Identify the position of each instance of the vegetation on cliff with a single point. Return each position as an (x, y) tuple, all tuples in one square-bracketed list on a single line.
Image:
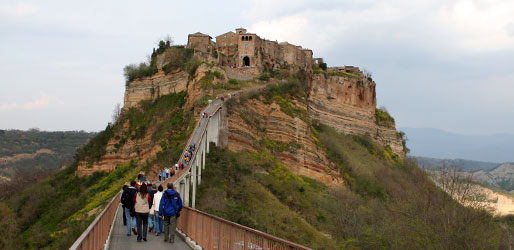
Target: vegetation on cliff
[(385, 203), (55, 211), (383, 118)]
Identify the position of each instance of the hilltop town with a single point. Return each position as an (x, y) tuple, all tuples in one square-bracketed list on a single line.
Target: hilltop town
[(342, 97), (243, 49)]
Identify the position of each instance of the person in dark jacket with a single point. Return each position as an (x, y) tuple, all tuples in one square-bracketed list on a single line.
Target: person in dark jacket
[(123, 206), (169, 210), (128, 204)]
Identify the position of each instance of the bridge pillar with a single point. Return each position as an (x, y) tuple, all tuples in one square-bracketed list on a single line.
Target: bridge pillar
[(216, 128), (203, 159), (207, 139), (187, 187), (199, 169), (182, 189), (193, 180)]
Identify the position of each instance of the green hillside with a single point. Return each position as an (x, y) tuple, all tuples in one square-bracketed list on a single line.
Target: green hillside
[(386, 202), (26, 156), (54, 212)]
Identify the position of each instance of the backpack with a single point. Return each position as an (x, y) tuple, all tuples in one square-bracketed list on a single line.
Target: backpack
[(125, 199)]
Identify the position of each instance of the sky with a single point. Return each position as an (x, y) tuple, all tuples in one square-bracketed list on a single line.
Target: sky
[(445, 64)]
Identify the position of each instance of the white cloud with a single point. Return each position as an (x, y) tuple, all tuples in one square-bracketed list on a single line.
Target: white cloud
[(8, 106), (18, 10), (44, 101), (442, 27)]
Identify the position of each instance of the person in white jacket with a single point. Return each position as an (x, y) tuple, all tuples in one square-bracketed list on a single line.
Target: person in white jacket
[(159, 225)]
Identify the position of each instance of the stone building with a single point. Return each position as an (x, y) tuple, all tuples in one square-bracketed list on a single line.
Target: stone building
[(241, 49), (200, 43)]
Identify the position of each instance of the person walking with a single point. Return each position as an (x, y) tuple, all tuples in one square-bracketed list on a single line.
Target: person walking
[(151, 221), (125, 186), (169, 210), (167, 172), (141, 201), (128, 204), (158, 223)]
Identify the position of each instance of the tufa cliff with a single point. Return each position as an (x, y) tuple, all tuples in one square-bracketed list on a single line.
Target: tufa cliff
[(347, 102)]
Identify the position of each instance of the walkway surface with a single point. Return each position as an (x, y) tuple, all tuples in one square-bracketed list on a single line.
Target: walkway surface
[(120, 240)]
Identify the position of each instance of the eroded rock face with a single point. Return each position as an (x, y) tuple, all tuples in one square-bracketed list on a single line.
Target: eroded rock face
[(149, 88), (138, 150), (348, 105), (251, 121), (152, 87), (345, 103)]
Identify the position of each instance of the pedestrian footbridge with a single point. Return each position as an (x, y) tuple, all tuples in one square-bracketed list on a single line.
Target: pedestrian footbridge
[(195, 229)]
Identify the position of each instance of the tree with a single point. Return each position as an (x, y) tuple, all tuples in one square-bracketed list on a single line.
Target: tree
[(367, 74), (460, 186), (323, 66), (116, 113), (168, 40)]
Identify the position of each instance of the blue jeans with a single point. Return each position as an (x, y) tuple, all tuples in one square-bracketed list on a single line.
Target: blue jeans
[(129, 219), (150, 221), (159, 224)]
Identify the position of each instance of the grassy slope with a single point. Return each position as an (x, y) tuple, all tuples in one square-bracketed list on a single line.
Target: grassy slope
[(386, 203), (258, 191), (54, 212)]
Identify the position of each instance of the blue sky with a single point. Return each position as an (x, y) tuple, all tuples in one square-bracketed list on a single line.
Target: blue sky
[(442, 63)]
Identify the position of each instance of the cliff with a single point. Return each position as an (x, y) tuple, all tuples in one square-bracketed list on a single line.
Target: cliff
[(253, 124), (348, 104)]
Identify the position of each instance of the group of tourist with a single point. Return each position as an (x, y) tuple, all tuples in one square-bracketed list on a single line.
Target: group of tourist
[(150, 209)]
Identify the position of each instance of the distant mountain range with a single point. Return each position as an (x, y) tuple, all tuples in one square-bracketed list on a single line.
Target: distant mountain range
[(501, 177), (461, 164), (435, 143)]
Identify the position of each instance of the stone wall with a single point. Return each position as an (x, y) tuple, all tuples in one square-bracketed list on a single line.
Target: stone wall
[(245, 73)]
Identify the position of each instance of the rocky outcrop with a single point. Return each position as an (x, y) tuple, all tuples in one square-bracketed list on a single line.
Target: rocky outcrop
[(251, 122), (152, 87), (149, 88), (348, 104), (139, 150)]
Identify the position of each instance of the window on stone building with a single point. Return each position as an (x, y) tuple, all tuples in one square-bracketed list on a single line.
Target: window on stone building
[(246, 61), (250, 38), (246, 46)]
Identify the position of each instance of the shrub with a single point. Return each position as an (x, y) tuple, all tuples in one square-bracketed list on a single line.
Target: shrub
[(323, 66), (134, 72), (218, 75), (206, 81), (382, 118), (233, 82), (191, 66), (341, 73), (318, 71), (264, 77), (176, 57)]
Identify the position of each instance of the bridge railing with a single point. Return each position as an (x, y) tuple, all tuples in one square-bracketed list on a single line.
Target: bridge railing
[(200, 127), (211, 232), (96, 234)]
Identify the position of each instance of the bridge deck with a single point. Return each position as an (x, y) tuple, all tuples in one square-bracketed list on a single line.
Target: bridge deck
[(120, 240)]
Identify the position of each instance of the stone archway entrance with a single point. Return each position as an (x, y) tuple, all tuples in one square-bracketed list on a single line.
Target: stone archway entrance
[(246, 61)]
